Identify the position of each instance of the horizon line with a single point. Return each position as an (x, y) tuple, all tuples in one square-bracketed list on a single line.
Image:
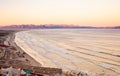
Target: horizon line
[(67, 25)]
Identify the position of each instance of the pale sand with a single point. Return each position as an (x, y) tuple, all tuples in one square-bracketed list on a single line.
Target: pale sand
[(91, 51)]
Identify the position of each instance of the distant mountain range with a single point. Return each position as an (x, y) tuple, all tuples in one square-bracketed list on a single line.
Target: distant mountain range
[(53, 27)]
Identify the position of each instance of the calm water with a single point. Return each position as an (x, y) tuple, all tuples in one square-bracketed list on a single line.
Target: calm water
[(93, 51)]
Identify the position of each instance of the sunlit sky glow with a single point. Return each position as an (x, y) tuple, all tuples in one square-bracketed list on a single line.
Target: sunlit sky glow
[(77, 12)]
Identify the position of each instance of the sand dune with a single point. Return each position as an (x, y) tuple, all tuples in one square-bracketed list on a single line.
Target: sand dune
[(96, 52)]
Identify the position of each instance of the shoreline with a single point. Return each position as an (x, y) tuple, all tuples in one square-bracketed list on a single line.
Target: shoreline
[(11, 55), (7, 38), (33, 62)]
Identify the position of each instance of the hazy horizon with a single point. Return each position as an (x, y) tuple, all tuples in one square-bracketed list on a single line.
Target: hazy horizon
[(96, 13)]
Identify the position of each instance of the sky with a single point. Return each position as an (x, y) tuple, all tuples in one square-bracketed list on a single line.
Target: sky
[(76, 12)]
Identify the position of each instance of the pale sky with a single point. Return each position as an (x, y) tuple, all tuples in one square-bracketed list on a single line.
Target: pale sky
[(77, 12)]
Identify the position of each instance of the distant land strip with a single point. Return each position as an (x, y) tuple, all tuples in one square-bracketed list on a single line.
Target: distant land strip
[(31, 26)]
